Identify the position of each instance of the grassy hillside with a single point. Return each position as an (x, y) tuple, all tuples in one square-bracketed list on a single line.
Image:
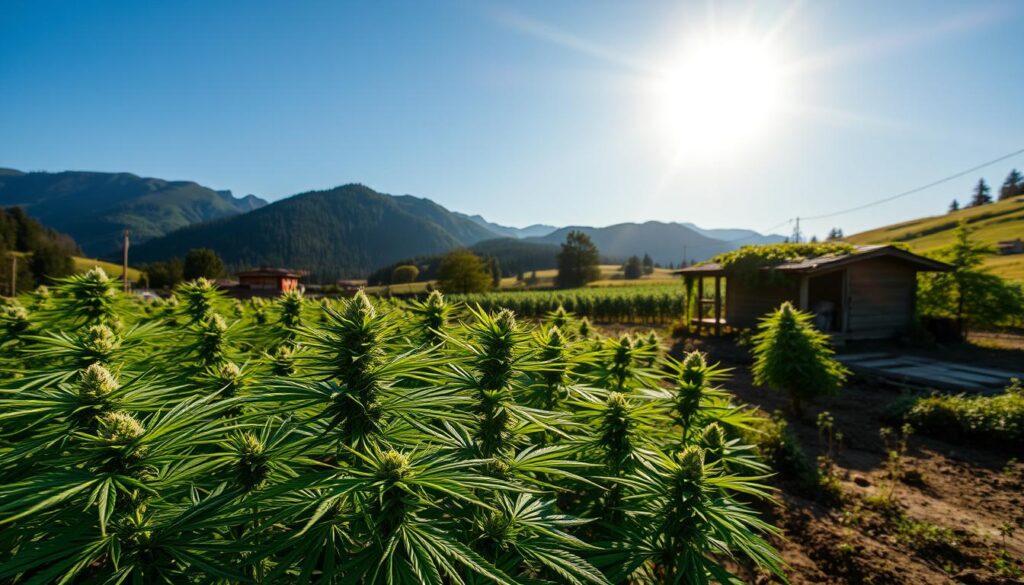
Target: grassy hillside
[(112, 270), (1003, 220)]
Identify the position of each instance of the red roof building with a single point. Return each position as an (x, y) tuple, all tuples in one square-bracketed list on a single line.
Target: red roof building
[(270, 281)]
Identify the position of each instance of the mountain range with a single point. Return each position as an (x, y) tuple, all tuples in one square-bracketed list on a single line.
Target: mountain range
[(95, 208), (348, 231)]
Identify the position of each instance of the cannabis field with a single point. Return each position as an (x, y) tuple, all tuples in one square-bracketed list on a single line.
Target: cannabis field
[(200, 440), (651, 303)]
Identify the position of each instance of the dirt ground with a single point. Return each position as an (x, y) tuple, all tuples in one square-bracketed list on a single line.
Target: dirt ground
[(863, 538)]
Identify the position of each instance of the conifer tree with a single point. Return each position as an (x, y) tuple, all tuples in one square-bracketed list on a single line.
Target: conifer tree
[(982, 194), (1012, 186)]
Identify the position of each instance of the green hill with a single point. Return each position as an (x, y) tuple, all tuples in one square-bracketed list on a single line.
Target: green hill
[(94, 208), (1003, 220), (347, 231)]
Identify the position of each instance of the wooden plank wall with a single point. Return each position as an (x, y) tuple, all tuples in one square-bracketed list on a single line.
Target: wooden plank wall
[(881, 298), (745, 304)]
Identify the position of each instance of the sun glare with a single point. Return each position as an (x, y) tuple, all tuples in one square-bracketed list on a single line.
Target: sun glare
[(718, 97)]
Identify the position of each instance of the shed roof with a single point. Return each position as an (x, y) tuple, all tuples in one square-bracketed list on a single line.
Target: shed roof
[(832, 261)]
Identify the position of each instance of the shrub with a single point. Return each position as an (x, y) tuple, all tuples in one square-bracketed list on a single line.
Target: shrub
[(994, 420), (791, 356)]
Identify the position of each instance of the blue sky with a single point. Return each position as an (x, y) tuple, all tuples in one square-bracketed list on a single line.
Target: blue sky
[(524, 112)]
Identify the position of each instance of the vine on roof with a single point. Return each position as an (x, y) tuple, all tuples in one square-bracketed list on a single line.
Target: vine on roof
[(746, 262)]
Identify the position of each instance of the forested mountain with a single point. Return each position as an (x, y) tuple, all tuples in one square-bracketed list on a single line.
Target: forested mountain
[(342, 232), (665, 242), (531, 231), (737, 236), (94, 208)]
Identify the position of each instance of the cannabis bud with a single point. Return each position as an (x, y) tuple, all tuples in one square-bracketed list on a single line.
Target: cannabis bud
[(393, 466), (96, 383)]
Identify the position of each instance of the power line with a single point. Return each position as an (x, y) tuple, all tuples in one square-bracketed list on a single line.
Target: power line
[(917, 189)]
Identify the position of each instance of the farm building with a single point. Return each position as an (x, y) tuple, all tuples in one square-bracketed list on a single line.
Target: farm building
[(868, 293), (264, 281), (1010, 247)]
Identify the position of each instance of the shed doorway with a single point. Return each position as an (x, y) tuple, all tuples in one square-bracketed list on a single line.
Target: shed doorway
[(825, 298)]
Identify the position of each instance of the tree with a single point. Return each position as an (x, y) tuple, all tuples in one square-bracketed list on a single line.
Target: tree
[(969, 293), (49, 261), (791, 356), (632, 269), (648, 264), (981, 194), (1012, 186), (164, 274), (494, 266), (404, 273), (577, 261), (954, 206), (462, 271), (835, 234), (202, 263)]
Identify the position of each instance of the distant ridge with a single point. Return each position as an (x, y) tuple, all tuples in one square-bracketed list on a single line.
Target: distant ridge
[(665, 242), (342, 232), (94, 208)]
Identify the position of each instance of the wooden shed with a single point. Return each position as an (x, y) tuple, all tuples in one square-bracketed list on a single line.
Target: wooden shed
[(869, 293), (265, 281)]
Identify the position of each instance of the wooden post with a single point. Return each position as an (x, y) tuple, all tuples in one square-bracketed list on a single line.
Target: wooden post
[(700, 303), (687, 283), (804, 292), (718, 305), (124, 263)]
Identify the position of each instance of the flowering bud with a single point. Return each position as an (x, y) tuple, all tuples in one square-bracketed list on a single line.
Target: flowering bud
[(96, 383), (120, 428), (691, 464), (393, 466)]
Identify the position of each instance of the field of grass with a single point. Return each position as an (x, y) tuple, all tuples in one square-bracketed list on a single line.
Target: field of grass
[(112, 270), (1003, 220), (611, 276)]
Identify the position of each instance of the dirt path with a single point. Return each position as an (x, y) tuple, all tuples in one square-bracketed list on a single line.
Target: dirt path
[(942, 527)]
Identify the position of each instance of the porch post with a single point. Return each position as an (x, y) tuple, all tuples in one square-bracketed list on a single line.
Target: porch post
[(687, 299), (804, 292), (700, 303), (718, 305)]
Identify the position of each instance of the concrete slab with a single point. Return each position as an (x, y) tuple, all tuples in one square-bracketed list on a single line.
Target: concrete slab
[(929, 373)]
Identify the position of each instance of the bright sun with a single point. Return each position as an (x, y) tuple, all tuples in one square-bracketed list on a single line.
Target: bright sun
[(718, 97)]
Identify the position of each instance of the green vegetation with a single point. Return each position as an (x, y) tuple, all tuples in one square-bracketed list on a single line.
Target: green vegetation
[(37, 253), (1002, 220), (970, 293), (404, 274), (339, 233), (747, 262), (577, 261), (462, 271), (791, 356), (994, 420), (201, 440), (94, 208), (114, 270), (630, 304)]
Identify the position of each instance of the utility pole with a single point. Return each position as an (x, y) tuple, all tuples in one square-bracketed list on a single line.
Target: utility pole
[(797, 236), (124, 263)]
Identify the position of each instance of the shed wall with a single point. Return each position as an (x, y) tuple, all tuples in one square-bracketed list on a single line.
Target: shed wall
[(746, 303), (881, 298)]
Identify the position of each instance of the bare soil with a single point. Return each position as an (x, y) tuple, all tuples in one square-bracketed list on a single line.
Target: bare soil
[(862, 536)]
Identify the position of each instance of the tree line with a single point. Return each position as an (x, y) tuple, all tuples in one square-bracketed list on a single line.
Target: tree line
[(30, 253), (1012, 186)]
